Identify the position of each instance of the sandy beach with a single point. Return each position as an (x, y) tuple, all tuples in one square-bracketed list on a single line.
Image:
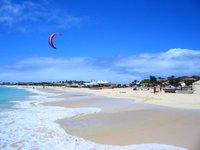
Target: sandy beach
[(131, 117), (175, 100)]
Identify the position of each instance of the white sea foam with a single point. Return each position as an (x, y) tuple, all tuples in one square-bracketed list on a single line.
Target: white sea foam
[(33, 126), (34, 90)]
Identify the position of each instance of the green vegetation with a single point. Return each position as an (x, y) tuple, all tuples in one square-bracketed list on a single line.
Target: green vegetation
[(171, 80)]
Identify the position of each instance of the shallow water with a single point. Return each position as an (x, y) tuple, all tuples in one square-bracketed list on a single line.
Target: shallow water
[(9, 95)]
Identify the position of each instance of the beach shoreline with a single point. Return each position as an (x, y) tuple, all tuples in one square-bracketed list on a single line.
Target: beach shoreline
[(41, 118), (174, 100), (125, 121), (131, 123)]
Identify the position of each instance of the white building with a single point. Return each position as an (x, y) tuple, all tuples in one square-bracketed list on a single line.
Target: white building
[(196, 87)]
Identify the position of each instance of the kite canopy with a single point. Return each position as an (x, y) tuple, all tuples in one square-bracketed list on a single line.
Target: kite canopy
[(51, 37)]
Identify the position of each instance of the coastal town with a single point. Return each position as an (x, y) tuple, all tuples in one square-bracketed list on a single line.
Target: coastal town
[(171, 84)]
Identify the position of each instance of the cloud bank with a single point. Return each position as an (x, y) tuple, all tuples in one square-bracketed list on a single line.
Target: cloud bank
[(119, 69)]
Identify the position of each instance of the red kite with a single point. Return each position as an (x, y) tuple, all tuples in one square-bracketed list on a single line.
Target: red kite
[(51, 39)]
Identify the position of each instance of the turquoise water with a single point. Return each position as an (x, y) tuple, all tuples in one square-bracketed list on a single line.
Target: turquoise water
[(9, 94)]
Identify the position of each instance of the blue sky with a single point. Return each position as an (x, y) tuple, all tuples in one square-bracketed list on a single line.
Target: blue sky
[(119, 40)]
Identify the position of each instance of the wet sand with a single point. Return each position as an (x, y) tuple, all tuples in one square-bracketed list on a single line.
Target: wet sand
[(124, 122), (172, 127)]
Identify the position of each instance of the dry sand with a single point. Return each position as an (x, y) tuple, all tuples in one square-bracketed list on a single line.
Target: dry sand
[(123, 122), (187, 101)]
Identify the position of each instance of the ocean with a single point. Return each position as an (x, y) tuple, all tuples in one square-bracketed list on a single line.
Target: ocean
[(26, 124), (8, 96)]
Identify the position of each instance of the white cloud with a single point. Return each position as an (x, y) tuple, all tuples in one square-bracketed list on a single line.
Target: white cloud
[(174, 61), (48, 69), (21, 16), (122, 70), (9, 12), (176, 52)]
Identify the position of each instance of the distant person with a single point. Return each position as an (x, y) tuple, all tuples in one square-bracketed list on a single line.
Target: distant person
[(154, 89), (135, 88)]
